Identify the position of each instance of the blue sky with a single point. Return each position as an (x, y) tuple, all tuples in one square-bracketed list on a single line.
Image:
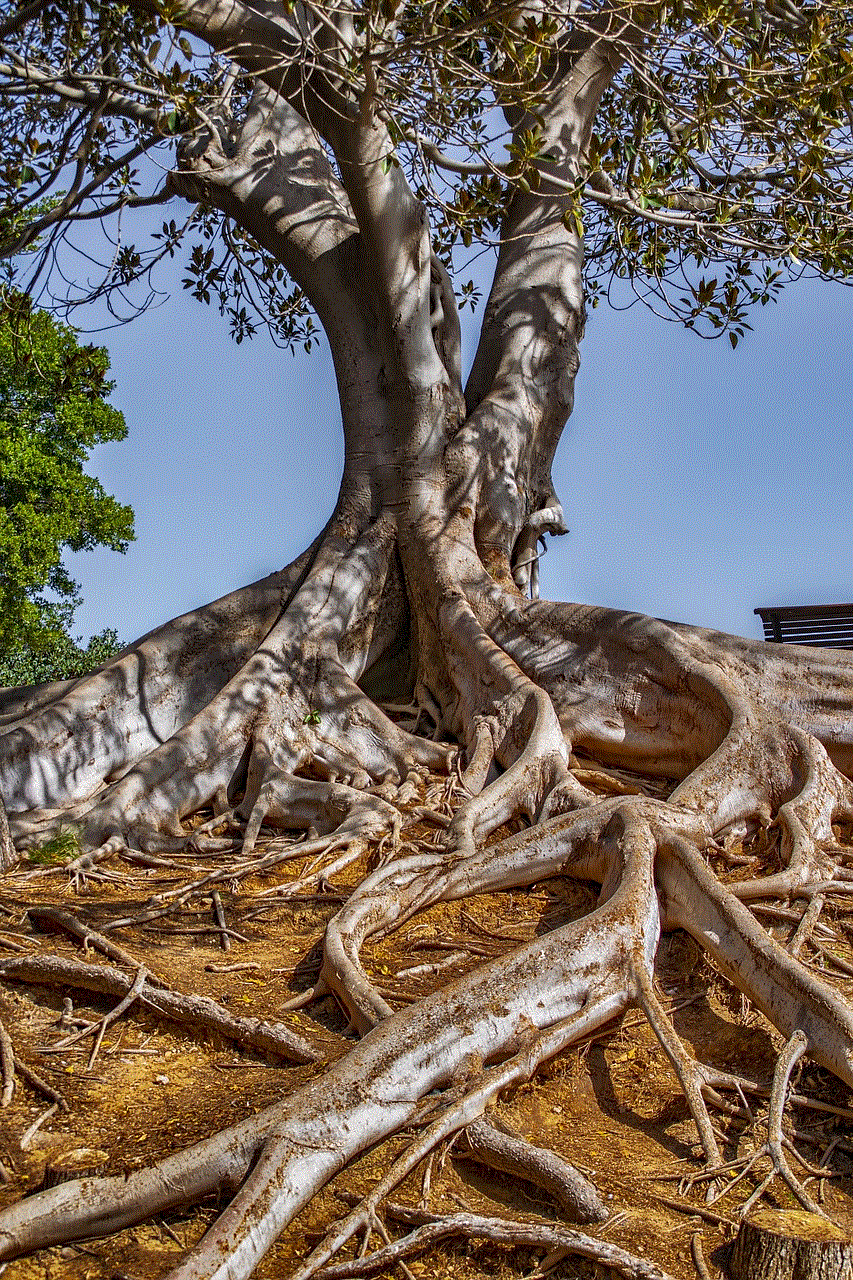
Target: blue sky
[(697, 481)]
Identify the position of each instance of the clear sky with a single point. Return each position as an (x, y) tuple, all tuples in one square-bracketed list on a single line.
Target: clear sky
[(697, 481)]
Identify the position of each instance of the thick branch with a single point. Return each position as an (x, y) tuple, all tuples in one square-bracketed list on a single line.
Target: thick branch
[(523, 373)]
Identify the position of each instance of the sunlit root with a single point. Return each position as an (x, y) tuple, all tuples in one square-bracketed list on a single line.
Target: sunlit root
[(391, 895), (479, 1017), (808, 848), (98, 1206), (379, 903), (431, 1229), (460, 1113), (683, 1063), (554, 989), (507, 720), (321, 808), (61, 742), (291, 704), (793, 998), (510, 1154), (294, 744)]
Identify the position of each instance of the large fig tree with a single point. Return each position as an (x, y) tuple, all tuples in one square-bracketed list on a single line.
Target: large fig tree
[(330, 163)]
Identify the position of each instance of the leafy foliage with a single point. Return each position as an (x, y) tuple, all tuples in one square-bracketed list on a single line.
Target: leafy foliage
[(721, 163), (53, 411), (66, 659)]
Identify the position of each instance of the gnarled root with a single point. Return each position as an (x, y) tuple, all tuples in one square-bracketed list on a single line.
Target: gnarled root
[(293, 707), (196, 1011), (292, 742), (553, 990), (61, 742), (432, 1228), (776, 1141)]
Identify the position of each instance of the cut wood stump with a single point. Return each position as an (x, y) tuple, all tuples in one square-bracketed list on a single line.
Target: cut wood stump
[(790, 1244), (83, 1162)]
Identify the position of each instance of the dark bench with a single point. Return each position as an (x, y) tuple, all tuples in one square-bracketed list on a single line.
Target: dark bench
[(825, 626)]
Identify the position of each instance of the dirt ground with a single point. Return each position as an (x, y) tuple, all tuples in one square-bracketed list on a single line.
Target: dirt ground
[(611, 1106)]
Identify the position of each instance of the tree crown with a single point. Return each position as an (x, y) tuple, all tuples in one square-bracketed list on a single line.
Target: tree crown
[(718, 164)]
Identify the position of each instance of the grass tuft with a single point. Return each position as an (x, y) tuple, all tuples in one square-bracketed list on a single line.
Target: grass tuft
[(60, 848)]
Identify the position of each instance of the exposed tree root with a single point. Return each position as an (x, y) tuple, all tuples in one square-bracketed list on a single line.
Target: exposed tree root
[(7, 1067), (194, 1011), (54, 917), (509, 1153), (773, 1148), (291, 742), (320, 703), (472, 1227)]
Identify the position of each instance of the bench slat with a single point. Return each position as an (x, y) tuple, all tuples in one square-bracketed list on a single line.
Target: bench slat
[(827, 626)]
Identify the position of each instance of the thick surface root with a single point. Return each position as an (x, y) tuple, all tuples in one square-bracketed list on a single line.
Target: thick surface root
[(553, 745)]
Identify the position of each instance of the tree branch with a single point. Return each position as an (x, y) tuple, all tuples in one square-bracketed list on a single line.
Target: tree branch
[(526, 361), (25, 75), (16, 21)]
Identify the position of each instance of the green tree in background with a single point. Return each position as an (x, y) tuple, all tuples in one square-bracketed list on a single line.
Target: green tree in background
[(53, 411), (64, 660)]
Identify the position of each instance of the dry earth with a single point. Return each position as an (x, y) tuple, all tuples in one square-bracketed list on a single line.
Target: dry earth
[(611, 1105)]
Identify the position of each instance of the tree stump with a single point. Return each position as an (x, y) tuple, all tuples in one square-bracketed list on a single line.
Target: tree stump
[(790, 1244), (82, 1162)]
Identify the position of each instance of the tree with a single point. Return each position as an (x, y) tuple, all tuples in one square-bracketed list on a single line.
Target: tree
[(65, 660), (53, 411), (335, 158)]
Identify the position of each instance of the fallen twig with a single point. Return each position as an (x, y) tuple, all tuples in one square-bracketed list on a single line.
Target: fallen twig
[(37, 1124), (805, 928), (698, 1256), (511, 1154), (696, 1210), (219, 914), (121, 1007), (33, 1078)]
